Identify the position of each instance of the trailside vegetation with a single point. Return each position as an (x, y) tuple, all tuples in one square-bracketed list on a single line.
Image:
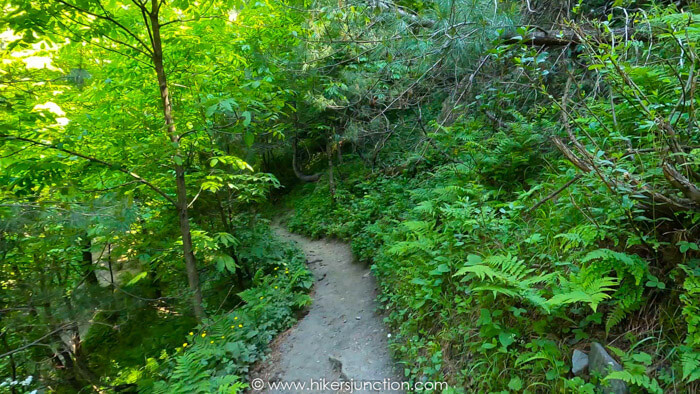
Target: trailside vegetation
[(521, 175)]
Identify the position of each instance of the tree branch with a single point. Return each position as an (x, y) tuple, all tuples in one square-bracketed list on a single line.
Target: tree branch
[(19, 349), (94, 160), (555, 193), (107, 18), (567, 37)]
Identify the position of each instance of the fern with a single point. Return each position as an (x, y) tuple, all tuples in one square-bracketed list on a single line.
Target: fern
[(506, 275), (580, 236), (621, 262), (690, 360), (586, 287), (628, 299), (691, 304), (589, 286), (420, 238), (690, 356), (638, 379), (189, 375), (405, 248), (418, 227), (426, 208), (630, 270)]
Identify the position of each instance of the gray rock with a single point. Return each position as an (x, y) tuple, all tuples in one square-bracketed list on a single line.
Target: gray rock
[(579, 362), (602, 363), (337, 364)]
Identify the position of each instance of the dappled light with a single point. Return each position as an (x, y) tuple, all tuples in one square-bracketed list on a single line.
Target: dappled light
[(484, 196)]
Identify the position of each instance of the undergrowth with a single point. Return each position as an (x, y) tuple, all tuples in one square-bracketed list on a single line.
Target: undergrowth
[(215, 356), (490, 295)]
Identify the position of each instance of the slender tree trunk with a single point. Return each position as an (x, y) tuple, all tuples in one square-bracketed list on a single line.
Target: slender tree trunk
[(81, 370), (222, 212), (331, 181), (183, 214), (13, 366), (89, 270), (340, 153)]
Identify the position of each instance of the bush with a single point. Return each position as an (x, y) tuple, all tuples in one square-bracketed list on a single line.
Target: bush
[(216, 355), (490, 296)]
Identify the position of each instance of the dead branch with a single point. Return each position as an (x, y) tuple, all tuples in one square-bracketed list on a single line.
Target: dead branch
[(681, 183), (554, 38), (295, 166), (554, 193)]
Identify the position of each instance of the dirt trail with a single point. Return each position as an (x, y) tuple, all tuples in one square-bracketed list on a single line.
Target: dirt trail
[(342, 337)]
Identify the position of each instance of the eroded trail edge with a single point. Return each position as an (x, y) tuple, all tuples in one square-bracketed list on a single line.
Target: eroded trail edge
[(342, 337)]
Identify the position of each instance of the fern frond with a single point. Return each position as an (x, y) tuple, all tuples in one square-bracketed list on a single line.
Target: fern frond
[(691, 365), (506, 275), (585, 287), (633, 264), (639, 380)]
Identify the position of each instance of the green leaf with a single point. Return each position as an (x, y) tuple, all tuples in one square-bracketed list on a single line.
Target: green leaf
[(249, 138), (472, 260), (506, 339), (644, 358), (515, 383), (441, 269), (225, 262), (211, 109), (137, 278), (246, 118), (685, 246)]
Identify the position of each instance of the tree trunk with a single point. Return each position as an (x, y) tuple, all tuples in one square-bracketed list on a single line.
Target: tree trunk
[(89, 270), (340, 153), (74, 348), (61, 356), (13, 366), (331, 181), (183, 215)]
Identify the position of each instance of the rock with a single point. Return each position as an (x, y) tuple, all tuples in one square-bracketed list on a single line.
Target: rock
[(337, 364), (579, 362), (602, 363)]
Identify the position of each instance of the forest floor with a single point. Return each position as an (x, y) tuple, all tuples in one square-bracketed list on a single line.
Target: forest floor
[(342, 337)]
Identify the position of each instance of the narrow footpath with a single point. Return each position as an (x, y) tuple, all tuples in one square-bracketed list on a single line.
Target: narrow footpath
[(342, 338)]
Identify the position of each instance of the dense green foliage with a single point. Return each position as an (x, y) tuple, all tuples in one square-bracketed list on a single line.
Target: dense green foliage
[(521, 175), (486, 294), (127, 216), (498, 255), (222, 349)]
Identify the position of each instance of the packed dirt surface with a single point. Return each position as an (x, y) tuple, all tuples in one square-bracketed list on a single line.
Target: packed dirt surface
[(342, 338)]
